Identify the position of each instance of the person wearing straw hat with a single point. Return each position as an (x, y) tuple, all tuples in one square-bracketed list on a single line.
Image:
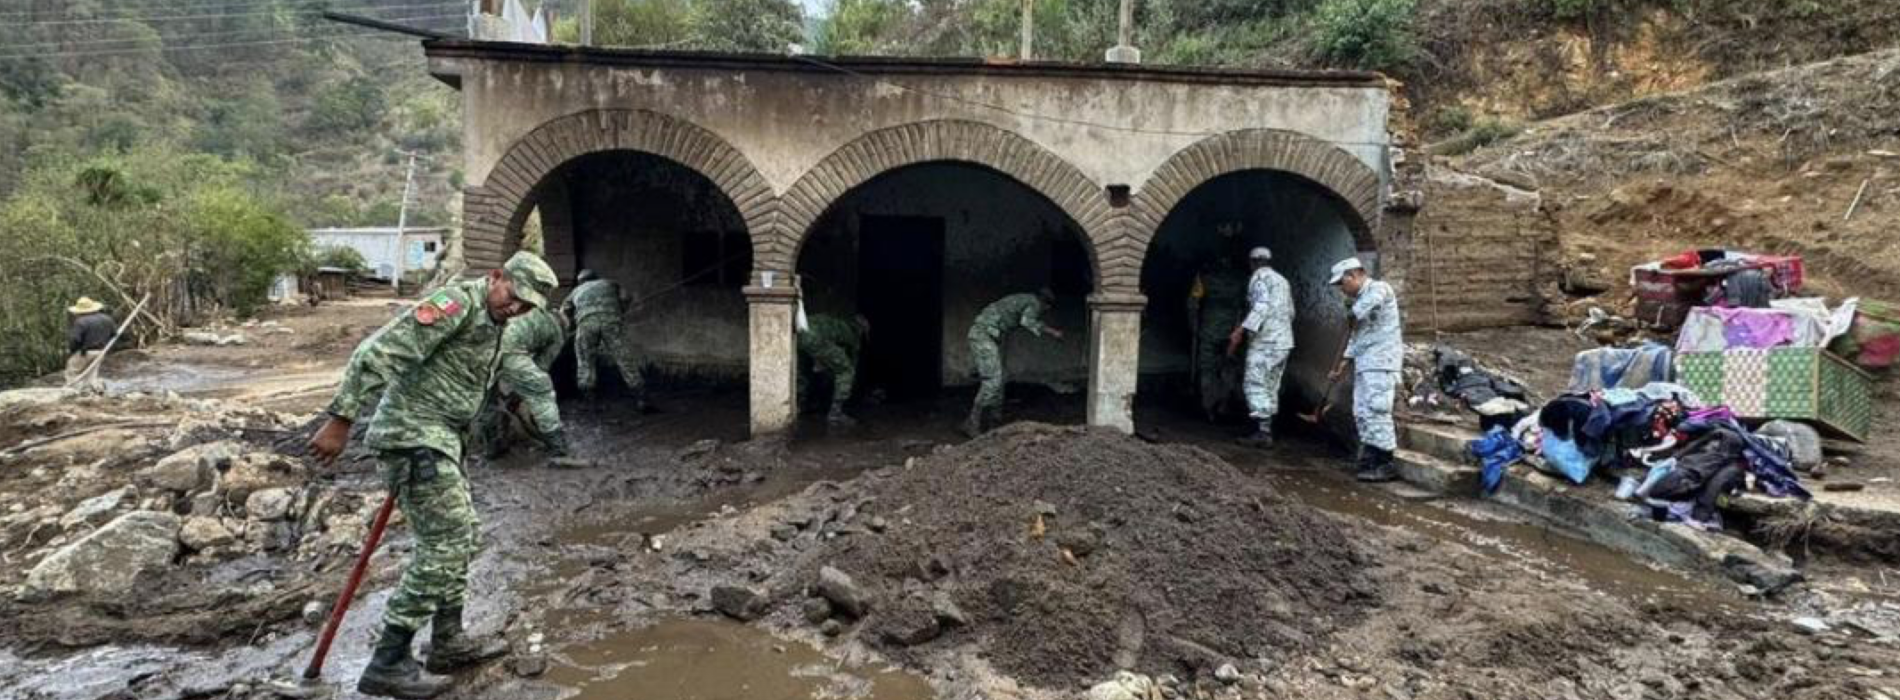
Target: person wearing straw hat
[(1376, 353), (92, 330), (431, 367)]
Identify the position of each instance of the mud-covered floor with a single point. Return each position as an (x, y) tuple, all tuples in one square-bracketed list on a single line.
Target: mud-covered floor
[(603, 579)]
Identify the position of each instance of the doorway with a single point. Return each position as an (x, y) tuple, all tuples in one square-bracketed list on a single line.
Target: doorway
[(900, 291)]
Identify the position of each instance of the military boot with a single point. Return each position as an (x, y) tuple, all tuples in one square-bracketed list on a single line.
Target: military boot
[(1378, 467), (973, 426), (393, 673), (452, 647), (838, 419), (1261, 438)]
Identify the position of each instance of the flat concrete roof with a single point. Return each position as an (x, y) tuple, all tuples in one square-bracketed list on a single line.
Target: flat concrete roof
[(885, 65)]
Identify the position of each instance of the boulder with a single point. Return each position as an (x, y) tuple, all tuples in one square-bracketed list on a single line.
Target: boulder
[(909, 623), (1803, 441), (255, 472), (844, 594), (108, 561), (200, 533), (739, 603), (270, 504), (1125, 686), (97, 509), (191, 469)]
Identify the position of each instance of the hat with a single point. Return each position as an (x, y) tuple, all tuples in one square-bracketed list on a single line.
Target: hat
[(1260, 253), (533, 279), (1344, 266), (585, 275), (86, 305), (1046, 294)]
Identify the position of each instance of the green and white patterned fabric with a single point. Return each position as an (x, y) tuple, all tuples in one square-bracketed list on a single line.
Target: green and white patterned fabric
[(1797, 383)]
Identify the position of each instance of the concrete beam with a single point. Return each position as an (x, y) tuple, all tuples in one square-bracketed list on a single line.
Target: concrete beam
[(1114, 359), (774, 358)]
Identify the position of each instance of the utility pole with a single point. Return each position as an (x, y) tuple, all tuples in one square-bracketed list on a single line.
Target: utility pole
[(1125, 52), (587, 22), (1029, 29), (402, 220)]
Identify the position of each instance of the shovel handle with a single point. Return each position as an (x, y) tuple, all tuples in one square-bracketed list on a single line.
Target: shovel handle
[(315, 669)]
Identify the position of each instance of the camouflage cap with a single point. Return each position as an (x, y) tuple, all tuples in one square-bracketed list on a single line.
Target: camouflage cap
[(533, 279)]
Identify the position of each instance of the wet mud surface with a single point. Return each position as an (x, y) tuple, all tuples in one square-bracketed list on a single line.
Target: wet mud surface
[(605, 579)]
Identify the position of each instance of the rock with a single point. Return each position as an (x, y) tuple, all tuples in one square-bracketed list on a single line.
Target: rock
[(908, 623), (108, 561), (816, 610), (738, 603), (1045, 509), (831, 628), (947, 611), (528, 665), (270, 504), (254, 472), (877, 524), (1802, 440), (207, 504), (1124, 686), (1767, 576), (844, 594), (1227, 674), (1081, 541), (273, 536), (200, 338), (698, 449), (1810, 625), (35, 397), (200, 533), (191, 469), (931, 569), (97, 509), (1842, 486), (784, 533), (313, 612)]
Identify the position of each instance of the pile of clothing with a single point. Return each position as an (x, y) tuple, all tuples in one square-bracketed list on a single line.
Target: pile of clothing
[(1693, 455), (1498, 400), (1628, 368)]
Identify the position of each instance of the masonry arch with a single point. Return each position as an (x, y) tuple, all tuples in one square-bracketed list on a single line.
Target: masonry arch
[(497, 210), (1308, 201), (940, 141)]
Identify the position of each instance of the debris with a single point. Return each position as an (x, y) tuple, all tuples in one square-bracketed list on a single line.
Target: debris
[(815, 610), (1840, 486), (270, 504), (1124, 686), (831, 628), (529, 665), (314, 611), (110, 560), (1858, 194), (200, 533), (738, 603), (1810, 625), (909, 623), (190, 469), (947, 611), (844, 594), (698, 449), (1227, 674)]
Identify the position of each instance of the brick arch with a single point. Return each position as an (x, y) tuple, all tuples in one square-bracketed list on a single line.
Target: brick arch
[(496, 210), (1356, 186), (885, 150)]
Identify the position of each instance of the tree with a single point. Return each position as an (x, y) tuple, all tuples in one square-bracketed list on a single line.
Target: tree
[(1368, 34), (351, 105), (641, 22), (861, 27), (764, 26)]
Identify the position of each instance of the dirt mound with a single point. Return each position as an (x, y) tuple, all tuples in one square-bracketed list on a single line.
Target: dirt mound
[(1072, 551)]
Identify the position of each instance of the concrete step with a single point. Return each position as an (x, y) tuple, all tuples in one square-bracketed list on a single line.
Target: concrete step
[(1444, 442), (1435, 475)]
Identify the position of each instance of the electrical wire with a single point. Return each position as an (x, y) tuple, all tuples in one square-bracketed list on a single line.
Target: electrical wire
[(371, 34), (226, 15)]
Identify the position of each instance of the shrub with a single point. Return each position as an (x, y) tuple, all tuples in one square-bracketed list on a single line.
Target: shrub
[(1366, 34)]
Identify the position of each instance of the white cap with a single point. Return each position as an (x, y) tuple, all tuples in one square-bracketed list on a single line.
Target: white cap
[(1260, 253), (1344, 266)]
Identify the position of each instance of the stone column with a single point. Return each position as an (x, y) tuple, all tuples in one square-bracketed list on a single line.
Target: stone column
[(774, 354), (1114, 358)]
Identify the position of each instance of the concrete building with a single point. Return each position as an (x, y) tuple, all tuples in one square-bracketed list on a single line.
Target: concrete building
[(391, 252), (916, 192)]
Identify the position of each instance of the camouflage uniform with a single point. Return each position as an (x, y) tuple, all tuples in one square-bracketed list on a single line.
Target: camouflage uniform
[(986, 337), (1378, 353), (831, 344), (1220, 295), (530, 344), (1270, 323), (432, 366), (599, 336)]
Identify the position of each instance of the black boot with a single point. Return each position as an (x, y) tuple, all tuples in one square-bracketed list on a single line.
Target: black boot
[(452, 647), (1378, 466), (837, 418), (1262, 436), (392, 673)]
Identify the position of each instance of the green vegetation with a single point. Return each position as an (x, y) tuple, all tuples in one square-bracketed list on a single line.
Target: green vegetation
[(768, 26)]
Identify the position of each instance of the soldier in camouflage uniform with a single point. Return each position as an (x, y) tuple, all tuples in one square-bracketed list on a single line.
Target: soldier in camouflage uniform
[(832, 345), (986, 349), (1376, 354), (595, 308), (432, 366), (523, 390), (1269, 322), (1216, 304)]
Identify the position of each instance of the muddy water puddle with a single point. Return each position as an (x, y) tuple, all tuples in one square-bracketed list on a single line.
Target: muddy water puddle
[(1507, 537), (691, 659)]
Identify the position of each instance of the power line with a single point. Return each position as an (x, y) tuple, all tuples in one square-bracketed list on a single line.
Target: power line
[(164, 38), (171, 9)]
